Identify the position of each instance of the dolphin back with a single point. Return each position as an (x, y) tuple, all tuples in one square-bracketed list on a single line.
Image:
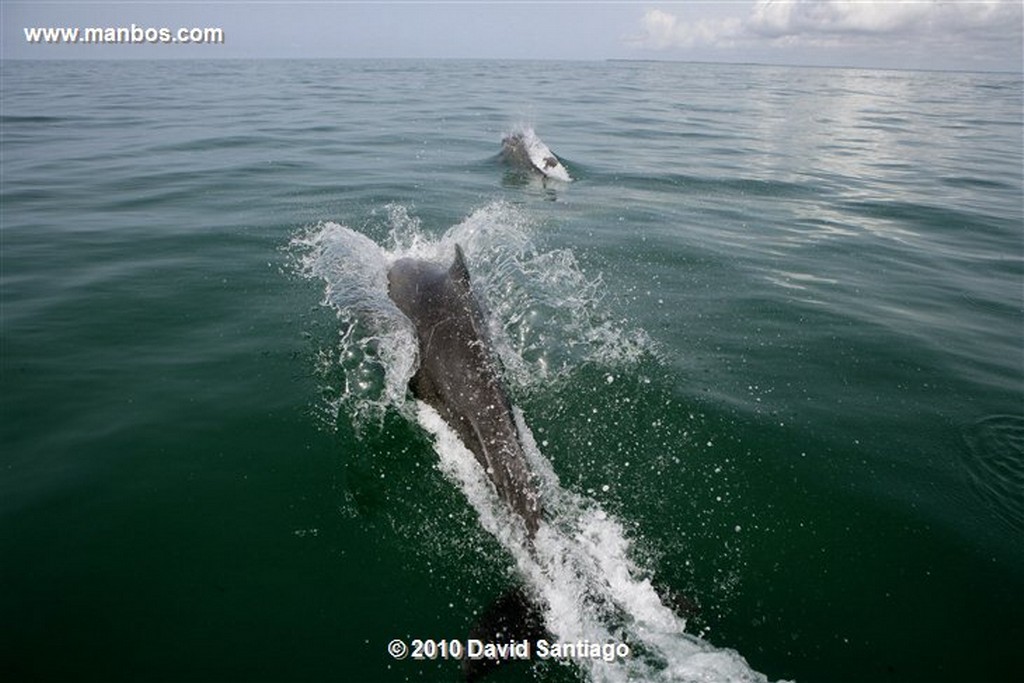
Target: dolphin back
[(458, 374)]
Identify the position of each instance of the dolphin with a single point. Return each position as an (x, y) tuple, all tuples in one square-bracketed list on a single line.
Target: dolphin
[(523, 148), (458, 374), (458, 377)]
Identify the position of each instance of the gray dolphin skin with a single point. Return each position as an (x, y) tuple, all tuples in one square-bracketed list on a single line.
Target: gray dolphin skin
[(458, 377), (522, 148), (513, 149)]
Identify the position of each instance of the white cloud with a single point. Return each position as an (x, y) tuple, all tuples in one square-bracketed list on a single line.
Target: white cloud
[(970, 31), (811, 18), (664, 30)]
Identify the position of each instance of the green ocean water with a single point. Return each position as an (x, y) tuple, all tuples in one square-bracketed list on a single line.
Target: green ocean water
[(773, 330)]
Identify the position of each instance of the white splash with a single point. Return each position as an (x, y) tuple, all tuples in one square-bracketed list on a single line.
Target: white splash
[(545, 313), (377, 346)]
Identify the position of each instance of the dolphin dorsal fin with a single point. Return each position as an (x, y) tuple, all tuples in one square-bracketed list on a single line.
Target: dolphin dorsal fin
[(459, 273)]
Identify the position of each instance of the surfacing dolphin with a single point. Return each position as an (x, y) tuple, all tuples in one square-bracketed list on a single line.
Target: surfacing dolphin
[(523, 148), (458, 377)]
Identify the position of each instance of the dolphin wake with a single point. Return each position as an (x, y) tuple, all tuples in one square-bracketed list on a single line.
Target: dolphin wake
[(579, 568)]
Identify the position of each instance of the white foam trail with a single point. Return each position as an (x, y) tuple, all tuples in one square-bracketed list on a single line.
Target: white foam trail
[(580, 567)]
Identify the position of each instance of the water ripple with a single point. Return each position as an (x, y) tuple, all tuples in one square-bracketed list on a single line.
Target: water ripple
[(995, 461)]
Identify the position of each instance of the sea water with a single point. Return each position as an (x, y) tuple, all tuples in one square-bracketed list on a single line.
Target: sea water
[(766, 348)]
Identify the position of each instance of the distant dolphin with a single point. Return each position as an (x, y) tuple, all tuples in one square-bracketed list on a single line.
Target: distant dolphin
[(523, 148), (457, 374)]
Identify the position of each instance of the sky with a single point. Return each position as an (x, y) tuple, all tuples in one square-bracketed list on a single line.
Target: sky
[(970, 35)]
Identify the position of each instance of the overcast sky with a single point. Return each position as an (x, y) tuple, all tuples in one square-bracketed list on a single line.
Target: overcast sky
[(965, 35)]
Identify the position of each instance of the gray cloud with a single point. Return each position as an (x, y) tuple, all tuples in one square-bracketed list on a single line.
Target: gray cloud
[(985, 34)]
